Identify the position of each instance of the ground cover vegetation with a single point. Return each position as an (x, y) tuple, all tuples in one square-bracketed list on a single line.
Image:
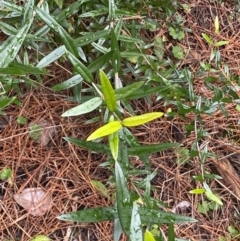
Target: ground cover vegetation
[(119, 120)]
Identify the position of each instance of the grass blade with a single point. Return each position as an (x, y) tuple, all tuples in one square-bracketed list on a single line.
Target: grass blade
[(148, 149), (10, 51), (68, 83), (115, 51), (68, 42), (112, 7), (91, 37), (53, 56), (128, 90), (80, 68), (99, 62)]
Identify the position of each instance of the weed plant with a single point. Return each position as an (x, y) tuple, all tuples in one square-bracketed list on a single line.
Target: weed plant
[(114, 63)]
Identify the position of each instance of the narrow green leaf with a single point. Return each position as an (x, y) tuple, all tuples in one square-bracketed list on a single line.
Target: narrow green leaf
[(148, 149), (12, 7), (28, 68), (84, 108), (105, 130), (123, 199), (141, 119), (99, 62), (117, 230), (68, 41), (159, 217), (171, 234), (148, 236), (128, 90), (146, 91), (159, 47), (221, 43), (213, 197), (91, 37), (108, 91), (7, 28), (51, 57), (59, 3), (10, 51), (68, 83), (94, 13), (28, 11), (197, 191), (132, 141), (112, 7), (91, 215), (128, 39), (136, 225), (70, 10), (109, 213), (116, 52), (12, 71), (48, 19), (81, 68), (91, 146), (4, 102), (207, 39), (113, 140), (118, 28)]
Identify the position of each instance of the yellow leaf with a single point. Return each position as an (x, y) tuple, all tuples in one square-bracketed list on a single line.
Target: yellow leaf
[(148, 236), (216, 24), (105, 130), (141, 119)]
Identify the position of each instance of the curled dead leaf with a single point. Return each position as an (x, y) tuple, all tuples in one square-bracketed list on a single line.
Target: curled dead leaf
[(181, 206), (34, 200)]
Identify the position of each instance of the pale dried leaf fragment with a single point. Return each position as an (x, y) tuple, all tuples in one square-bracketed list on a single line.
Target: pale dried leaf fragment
[(35, 200), (183, 205)]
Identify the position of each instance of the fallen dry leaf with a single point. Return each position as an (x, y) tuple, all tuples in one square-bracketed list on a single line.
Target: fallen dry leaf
[(34, 200), (181, 206)]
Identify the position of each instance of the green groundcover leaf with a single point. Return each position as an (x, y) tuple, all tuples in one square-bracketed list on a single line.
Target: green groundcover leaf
[(92, 146), (136, 225), (84, 108), (105, 130), (9, 53), (4, 102), (126, 91), (53, 56), (123, 199), (101, 214), (148, 149), (108, 91), (113, 140), (80, 67), (68, 83)]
